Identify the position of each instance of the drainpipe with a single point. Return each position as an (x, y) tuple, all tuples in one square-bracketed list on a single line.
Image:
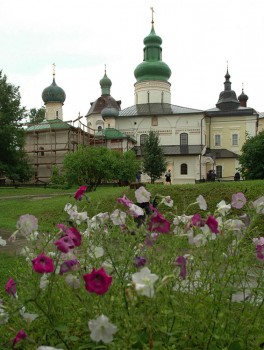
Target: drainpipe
[(200, 161)]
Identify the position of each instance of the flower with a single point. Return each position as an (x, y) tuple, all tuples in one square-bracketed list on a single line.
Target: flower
[(140, 261), (259, 205), (118, 217), (3, 314), (259, 252), (158, 223), (102, 329), (43, 281), (69, 265), (144, 282), (97, 281), (43, 264), (27, 316), (238, 200), (124, 200), (223, 208), (43, 347), (202, 203), (72, 281), (167, 201), (64, 244), (197, 220), (10, 287), (95, 252), (2, 242), (80, 192), (20, 335), (135, 210), (212, 223), (181, 261), (142, 195), (27, 224)]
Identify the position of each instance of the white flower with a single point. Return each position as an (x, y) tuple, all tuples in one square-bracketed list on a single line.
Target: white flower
[(43, 281), (27, 224), (142, 195), (2, 241), (98, 220), (29, 317), (43, 347), (107, 265), (144, 282), (202, 203), (102, 329), (96, 252), (118, 217), (259, 205), (167, 201), (72, 281), (3, 314), (135, 210), (223, 208), (198, 240)]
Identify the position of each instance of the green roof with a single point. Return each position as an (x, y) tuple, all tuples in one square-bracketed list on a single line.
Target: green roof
[(112, 133), (48, 125)]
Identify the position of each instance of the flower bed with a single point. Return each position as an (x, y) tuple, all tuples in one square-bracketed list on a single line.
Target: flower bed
[(139, 277)]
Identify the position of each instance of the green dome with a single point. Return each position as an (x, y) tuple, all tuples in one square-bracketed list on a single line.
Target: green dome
[(106, 84), (53, 93), (110, 112), (152, 68)]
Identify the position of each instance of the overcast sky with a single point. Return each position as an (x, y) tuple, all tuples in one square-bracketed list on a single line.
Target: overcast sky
[(81, 36)]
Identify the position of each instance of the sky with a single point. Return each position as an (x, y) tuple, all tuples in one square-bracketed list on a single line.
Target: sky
[(200, 38)]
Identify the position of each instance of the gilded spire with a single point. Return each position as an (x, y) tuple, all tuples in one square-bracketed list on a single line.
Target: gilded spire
[(152, 16)]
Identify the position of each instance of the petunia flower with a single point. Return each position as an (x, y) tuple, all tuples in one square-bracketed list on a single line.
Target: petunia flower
[(43, 281), (223, 208), (144, 282), (20, 336), (97, 281), (142, 195), (124, 200), (42, 264), (238, 200), (202, 203), (197, 220), (167, 201), (27, 224), (2, 242), (3, 314), (80, 192), (43, 347), (69, 265), (258, 204), (259, 252), (212, 223), (10, 287), (118, 217), (75, 235), (158, 223), (102, 330), (140, 261), (73, 281), (65, 244), (181, 261), (135, 210)]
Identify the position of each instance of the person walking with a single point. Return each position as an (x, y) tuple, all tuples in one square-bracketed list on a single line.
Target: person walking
[(168, 177)]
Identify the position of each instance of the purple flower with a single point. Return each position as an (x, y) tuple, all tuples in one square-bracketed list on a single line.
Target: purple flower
[(69, 265), (259, 252), (10, 287), (97, 281), (158, 223), (43, 264), (80, 192), (140, 261), (124, 200), (181, 261), (212, 223), (64, 244), (197, 220), (238, 200), (20, 335)]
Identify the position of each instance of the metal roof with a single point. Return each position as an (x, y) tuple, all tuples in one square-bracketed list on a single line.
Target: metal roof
[(220, 153), (49, 124), (112, 134), (238, 111), (156, 109)]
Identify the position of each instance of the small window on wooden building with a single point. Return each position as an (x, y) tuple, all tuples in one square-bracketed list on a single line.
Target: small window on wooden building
[(41, 151)]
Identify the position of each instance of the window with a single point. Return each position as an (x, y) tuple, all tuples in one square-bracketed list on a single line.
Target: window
[(162, 97), (219, 171), (184, 169), (234, 139), (154, 121), (217, 140), (148, 96), (41, 151), (143, 139), (57, 114), (99, 128), (184, 139)]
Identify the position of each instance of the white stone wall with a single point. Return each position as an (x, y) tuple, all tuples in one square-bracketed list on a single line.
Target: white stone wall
[(152, 92), (54, 111)]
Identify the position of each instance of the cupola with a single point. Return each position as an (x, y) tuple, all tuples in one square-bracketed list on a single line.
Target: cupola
[(227, 98)]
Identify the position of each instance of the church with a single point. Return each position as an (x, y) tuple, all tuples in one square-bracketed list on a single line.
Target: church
[(194, 142)]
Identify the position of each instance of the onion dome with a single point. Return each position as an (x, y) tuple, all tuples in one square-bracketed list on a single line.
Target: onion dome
[(152, 67), (105, 84), (109, 112), (227, 98), (53, 93), (243, 99)]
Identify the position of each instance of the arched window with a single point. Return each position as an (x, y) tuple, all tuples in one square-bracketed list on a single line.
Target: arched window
[(219, 171), (99, 128), (143, 139), (184, 139), (184, 169)]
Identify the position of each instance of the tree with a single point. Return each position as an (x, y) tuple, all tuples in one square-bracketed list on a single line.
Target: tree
[(251, 159), (36, 115), (93, 165), (154, 163), (13, 161)]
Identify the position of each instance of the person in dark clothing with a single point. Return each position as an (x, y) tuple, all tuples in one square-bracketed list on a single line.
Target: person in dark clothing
[(237, 176), (168, 177)]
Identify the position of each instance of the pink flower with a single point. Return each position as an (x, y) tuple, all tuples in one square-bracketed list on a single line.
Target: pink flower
[(64, 244), (43, 264), (20, 335), (79, 193), (75, 235), (69, 265), (259, 252), (181, 261), (97, 281), (124, 200), (197, 220), (11, 287), (238, 200), (63, 228), (212, 223), (158, 223)]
